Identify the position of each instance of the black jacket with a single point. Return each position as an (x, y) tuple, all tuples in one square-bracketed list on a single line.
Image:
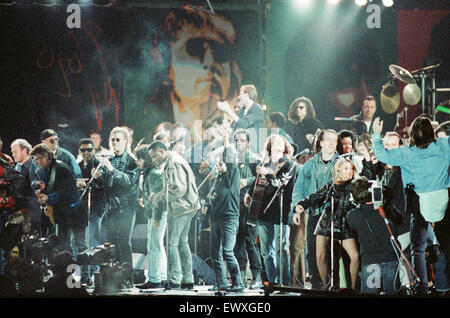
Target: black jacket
[(96, 191), (225, 194), (303, 128), (120, 186), (359, 127), (64, 197), (272, 215), (373, 235)]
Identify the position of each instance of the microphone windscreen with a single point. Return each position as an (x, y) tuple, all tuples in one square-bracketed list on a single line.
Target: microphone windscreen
[(381, 211)]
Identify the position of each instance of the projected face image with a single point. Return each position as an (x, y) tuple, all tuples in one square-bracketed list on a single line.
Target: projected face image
[(202, 66)]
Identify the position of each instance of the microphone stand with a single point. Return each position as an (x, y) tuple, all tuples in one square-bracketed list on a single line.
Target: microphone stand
[(282, 182), (332, 193), (88, 189)]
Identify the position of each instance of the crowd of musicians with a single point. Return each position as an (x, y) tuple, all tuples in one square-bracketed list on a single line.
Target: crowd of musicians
[(292, 201)]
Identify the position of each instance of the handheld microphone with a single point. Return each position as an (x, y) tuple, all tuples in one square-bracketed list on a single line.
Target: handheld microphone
[(381, 211), (383, 214), (344, 119), (306, 151), (173, 143)]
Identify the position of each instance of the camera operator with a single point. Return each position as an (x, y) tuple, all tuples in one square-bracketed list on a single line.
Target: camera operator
[(378, 258)]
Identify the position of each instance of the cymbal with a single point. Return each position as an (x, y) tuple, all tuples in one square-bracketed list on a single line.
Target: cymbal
[(390, 98), (411, 94), (401, 74)]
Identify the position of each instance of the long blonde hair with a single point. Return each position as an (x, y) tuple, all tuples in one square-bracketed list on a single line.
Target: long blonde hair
[(338, 169)]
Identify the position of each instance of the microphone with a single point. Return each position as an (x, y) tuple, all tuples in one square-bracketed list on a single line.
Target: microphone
[(306, 151), (381, 211), (383, 215), (344, 119), (173, 143)]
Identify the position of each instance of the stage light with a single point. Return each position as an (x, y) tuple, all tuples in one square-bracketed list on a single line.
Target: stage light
[(333, 1), (388, 3), (361, 2), (303, 3)]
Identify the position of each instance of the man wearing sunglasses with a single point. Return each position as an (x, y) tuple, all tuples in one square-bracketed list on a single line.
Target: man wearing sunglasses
[(119, 179), (50, 138), (90, 162)]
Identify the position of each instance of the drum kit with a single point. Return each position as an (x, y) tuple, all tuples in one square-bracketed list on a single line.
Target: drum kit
[(412, 93)]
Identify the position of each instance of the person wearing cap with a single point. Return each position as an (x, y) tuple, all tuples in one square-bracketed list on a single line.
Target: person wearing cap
[(50, 138)]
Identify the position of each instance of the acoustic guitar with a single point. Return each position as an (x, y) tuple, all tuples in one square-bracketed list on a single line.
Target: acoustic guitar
[(48, 209), (257, 197), (261, 184)]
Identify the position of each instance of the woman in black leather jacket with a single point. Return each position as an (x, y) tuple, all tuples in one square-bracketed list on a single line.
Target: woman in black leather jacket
[(339, 191)]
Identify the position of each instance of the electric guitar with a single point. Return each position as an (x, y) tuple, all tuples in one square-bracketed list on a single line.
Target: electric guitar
[(48, 209)]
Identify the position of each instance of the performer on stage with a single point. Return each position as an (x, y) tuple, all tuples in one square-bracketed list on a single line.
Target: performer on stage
[(150, 182), (250, 115), (276, 169), (87, 165), (246, 249), (315, 174), (224, 215), (334, 199), (302, 118), (61, 193), (424, 169), (181, 194), (118, 178), (20, 150), (51, 139), (364, 120)]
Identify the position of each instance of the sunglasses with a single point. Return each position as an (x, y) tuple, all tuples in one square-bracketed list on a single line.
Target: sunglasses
[(115, 139), (221, 53), (301, 107), (86, 149), (53, 141)]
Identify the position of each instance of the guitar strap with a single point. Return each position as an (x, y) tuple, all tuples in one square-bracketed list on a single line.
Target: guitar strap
[(51, 182)]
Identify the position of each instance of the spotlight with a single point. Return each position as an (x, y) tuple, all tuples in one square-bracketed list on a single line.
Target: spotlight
[(388, 3), (334, 1), (303, 3), (361, 3)]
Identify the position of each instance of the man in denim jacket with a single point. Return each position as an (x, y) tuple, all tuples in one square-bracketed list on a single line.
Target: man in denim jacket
[(425, 172), (315, 174)]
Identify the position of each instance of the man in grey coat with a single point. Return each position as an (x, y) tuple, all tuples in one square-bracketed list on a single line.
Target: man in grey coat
[(181, 197)]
